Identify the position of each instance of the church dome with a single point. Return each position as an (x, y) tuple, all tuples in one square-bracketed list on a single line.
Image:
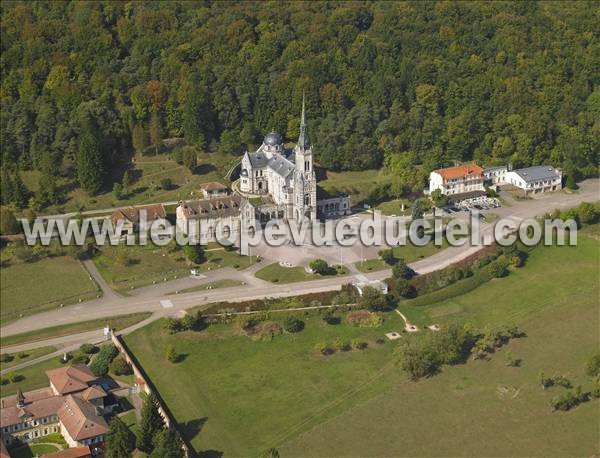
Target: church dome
[(273, 139)]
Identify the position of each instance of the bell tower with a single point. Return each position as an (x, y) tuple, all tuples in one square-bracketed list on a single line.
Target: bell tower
[(303, 151), (305, 186)]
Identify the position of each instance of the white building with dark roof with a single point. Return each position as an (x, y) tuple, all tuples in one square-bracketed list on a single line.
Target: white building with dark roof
[(537, 179), (287, 176)]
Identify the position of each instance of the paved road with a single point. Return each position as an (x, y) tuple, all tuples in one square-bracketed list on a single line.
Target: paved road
[(149, 299)]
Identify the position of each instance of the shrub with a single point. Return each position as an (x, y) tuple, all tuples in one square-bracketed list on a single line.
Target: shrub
[(344, 297), (15, 378), (593, 366), (88, 348), (6, 358), (22, 355), (323, 348), (570, 182), (120, 366), (499, 267), (588, 213), (3, 381), (330, 318), (387, 256), (359, 344), (194, 253), (341, 345), (172, 325), (417, 360), (293, 324), (166, 183), (102, 360), (401, 270), (191, 321), (319, 266), (80, 359), (403, 288), (364, 319), (569, 400), (372, 299), (172, 355), (266, 331), (270, 453)]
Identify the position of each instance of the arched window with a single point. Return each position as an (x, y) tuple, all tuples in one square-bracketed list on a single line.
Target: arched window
[(307, 199)]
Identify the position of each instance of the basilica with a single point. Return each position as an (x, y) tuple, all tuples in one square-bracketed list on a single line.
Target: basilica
[(285, 176)]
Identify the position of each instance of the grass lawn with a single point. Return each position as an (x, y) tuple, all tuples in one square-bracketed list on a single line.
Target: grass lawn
[(128, 267), (130, 420), (488, 408), (225, 283), (32, 287), (276, 273), (25, 356), (149, 170), (117, 322), (409, 252), (394, 207), (241, 396), (357, 184), (32, 450), (238, 396), (34, 377)]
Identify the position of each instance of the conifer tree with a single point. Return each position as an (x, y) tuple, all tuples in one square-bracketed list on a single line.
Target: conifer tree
[(120, 442), (167, 445), (89, 157), (150, 425)]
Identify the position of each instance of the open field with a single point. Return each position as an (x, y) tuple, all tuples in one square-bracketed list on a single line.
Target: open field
[(147, 172), (21, 357), (239, 396), (276, 273), (357, 184), (32, 287), (117, 322), (487, 408), (128, 267)]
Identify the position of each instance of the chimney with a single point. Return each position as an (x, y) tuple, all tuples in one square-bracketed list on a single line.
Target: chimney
[(20, 398)]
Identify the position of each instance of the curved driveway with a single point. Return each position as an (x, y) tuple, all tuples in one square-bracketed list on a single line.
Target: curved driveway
[(149, 299)]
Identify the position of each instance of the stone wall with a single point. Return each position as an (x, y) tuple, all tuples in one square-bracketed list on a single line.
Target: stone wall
[(145, 384)]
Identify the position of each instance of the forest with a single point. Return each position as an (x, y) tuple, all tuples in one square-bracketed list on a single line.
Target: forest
[(410, 86)]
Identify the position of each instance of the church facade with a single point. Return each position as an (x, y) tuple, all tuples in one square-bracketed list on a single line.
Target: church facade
[(286, 177)]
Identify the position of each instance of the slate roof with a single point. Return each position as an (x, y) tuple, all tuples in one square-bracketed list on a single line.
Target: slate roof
[(537, 173), (281, 165), (258, 160), (204, 208)]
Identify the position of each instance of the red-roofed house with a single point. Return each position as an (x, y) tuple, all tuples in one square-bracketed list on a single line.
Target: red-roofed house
[(457, 180), (73, 405)]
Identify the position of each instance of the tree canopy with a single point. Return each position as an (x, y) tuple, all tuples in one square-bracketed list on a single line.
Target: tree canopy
[(415, 84)]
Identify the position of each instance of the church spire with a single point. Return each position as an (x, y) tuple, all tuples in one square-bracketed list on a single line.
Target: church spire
[(303, 140)]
